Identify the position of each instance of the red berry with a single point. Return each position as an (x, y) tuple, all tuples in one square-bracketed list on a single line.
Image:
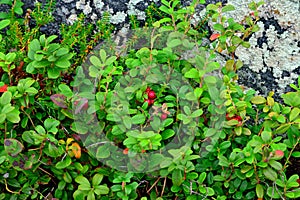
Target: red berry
[(227, 117), (238, 118), (148, 89), (149, 101), (3, 88), (151, 94), (163, 116), (125, 151)]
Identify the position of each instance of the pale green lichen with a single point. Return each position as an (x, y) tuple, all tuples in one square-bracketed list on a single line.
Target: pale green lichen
[(119, 17)]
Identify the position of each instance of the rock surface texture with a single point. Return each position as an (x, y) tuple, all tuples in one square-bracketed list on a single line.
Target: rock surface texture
[(271, 63)]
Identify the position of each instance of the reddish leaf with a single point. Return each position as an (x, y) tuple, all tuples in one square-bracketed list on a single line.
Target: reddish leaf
[(214, 36), (59, 100), (279, 153)]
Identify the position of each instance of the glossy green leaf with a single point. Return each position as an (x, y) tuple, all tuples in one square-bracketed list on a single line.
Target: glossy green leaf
[(138, 119), (258, 100), (4, 23), (177, 177), (270, 174), (259, 191), (202, 177), (192, 73), (228, 7), (97, 178), (64, 163), (275, 164), (294, 113), (266, 136), (103, 152), (166, 134)]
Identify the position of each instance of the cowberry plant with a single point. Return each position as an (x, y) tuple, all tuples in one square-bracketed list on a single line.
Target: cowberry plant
[(162, 117)]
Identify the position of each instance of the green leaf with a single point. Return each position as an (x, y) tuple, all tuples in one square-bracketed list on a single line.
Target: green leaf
[(51, 124), (210, 132), (223, 161), (13, 116), (259, 191), (210, 80), (266, 136), (103, 55), (296, 154), (270, 174), (166, 134), (218, 178), (97, 178), (294, 113), (7, 108), (110, 60), (62, 51), (292, 98), (4, 23), (65, 89), (53, 73), (51, 38), (95, 61), (281, 119), (102, 152), (258, 100), (31, 91), (190, 96), (177, 177), (63, 63), (293, 181), (138, 119), (198, 92), (13, 147), (192, 73), (101, 189), (219, 27), (64, 163), (282, 129), (165, 9), (166, 162), (197, 113), (67, 177), (5, 98), (202, 177), (52, 47), (228, 7), (225, 145), (246, 44), (127, 121), (79, 195), (113, 117), (273, 193), (275, 164), (212, 7), (82, 181), (155, 160), (236, 40), (167, 122)]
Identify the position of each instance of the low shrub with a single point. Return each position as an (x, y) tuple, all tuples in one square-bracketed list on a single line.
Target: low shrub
[(159, 117)]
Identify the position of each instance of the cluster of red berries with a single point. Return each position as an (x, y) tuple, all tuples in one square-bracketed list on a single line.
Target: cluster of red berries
[(151, 96)]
